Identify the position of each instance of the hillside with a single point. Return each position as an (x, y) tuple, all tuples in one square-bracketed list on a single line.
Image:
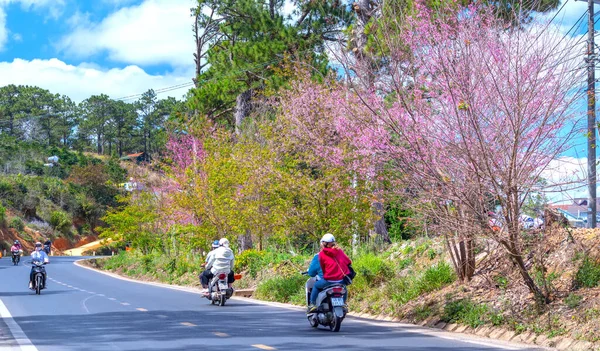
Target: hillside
[(62, 198)]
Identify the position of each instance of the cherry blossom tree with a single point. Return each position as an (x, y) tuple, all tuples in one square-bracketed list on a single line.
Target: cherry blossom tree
[(480, 111), (468, 113)]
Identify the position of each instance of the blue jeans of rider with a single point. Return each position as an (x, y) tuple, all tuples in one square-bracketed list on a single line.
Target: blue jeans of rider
[(318, 287)]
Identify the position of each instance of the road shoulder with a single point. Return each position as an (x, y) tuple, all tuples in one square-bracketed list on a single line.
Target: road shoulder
[(12, 336), (444, 332)]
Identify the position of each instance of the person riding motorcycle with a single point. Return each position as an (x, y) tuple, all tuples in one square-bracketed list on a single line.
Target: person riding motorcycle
[(214, 246), (332, 264), (16, 246), (47, 246), (221, 261), (38, 255), (15, 250)]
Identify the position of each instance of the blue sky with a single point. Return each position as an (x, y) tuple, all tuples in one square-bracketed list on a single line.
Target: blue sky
[(84, 47), (34, 32), (571, 168)]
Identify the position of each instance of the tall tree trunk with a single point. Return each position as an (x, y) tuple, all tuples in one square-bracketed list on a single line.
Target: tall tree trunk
[(517, 258), (243, 106), (245, 241), (470, 257), (145, 142), (149, 144), (462, 249), (199, 46), (99, 141), (380, 226), (364, 12), (11, 119), (462, 256)]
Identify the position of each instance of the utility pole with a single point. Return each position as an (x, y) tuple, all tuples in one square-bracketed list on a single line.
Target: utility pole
[(591, 93)]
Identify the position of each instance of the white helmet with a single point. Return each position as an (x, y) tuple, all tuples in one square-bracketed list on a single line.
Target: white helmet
[(328, 238), (224, 242)]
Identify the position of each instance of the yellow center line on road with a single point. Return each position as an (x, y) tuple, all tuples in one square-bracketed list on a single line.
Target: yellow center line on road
[(142, 309), (188, 324), (222, 335), (263, 347)]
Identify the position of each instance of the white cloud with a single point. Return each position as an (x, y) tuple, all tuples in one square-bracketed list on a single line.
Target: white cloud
[(154, 32), (288, 7), (567, 179), (569, 15), (81, 81)]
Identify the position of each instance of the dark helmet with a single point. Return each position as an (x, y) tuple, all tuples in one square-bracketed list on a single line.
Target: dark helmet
[(17, 242)]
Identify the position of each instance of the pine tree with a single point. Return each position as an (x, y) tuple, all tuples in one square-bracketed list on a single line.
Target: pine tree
[(248, 47)]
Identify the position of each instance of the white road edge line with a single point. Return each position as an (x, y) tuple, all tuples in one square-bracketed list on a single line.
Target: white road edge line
[(15, 330), (472, 339)]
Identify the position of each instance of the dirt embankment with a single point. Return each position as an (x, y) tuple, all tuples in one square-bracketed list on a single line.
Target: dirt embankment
[(555, 263), (28, 237)]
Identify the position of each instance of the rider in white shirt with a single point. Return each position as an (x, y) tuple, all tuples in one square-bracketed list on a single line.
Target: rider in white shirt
[(221, 261), (38, 256)]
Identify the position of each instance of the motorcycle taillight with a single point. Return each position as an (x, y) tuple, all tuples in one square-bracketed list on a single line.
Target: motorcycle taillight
[(338, 290), (222, 276)]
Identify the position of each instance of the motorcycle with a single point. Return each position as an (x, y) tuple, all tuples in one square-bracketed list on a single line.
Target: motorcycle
[(16, 257), (39, 274), (331, 309), (219, 290)]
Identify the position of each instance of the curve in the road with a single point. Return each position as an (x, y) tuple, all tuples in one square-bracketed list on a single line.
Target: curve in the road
[(87, 310)]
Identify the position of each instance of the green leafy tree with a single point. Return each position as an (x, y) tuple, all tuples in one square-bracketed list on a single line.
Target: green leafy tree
[(10, 109), (66, 120), (97, 112), (135, 222), (122, 126), (147, 120), (245, 45)]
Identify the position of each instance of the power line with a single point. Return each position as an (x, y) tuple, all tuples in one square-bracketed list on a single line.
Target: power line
[(232, 72), (157, 91)]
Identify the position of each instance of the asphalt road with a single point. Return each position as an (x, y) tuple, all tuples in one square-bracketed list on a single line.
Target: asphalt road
[(85, 310)]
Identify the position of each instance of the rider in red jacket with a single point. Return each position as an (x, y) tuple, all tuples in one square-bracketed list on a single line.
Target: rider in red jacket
[(334, 264)]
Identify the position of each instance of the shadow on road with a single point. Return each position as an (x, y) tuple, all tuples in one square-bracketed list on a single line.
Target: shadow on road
[(236, 328), (31, 292)]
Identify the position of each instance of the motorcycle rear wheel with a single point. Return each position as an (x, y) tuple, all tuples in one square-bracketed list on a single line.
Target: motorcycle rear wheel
[(336, 323), (222, 300)]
